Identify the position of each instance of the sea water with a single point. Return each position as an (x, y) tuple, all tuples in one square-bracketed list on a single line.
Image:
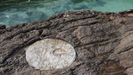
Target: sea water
[(26, 11)]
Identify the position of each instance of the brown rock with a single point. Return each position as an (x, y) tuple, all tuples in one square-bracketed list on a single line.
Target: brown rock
[(129, 71), (103, 44)]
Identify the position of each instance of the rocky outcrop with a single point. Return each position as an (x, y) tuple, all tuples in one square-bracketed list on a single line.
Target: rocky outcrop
[(103, 43)]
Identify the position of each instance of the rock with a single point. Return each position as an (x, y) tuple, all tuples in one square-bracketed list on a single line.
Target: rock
[(131, 14), (2, 26), (102, 41), (129, 71)]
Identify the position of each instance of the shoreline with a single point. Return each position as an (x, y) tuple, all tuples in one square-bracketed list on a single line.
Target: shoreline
[(102, 41), (120, 13)]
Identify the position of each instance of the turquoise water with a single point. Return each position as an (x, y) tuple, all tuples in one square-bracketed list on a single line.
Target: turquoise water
[(12, 13)]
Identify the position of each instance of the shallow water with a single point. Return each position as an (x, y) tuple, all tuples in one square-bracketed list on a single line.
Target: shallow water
[(16, 12)]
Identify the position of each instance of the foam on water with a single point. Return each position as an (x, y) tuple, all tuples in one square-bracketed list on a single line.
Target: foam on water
[(25, 12)]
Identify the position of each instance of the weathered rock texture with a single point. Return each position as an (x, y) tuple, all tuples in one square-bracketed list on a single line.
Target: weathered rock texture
[(103, 43)]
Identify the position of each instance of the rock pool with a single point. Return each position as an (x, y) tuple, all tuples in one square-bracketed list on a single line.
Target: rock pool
[(14, 12)]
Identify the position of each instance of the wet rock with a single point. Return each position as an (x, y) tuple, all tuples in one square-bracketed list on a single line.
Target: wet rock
[(102, 41), (2, 26)]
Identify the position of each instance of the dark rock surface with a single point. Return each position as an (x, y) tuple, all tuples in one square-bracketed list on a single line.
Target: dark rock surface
[(103, 42)]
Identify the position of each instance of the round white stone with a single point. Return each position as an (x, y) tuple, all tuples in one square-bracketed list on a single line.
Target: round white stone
[(49, 54)]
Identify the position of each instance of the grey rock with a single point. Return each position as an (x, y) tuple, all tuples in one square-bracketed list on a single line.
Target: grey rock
[(99, 40)]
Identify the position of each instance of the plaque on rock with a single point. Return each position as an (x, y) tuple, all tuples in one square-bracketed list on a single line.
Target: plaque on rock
[(50, 54)]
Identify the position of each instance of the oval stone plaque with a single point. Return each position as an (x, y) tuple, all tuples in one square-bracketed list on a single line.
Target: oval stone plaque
[(49, 54)]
